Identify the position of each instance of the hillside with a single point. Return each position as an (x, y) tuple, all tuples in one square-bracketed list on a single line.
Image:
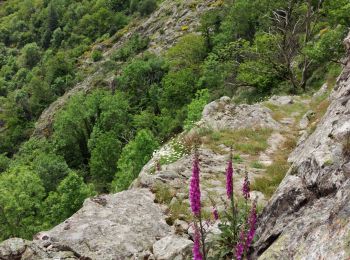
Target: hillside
[(144, 129)]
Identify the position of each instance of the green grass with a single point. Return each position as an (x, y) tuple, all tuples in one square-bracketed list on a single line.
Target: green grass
[(279, 112), (256, 165), (246, 141), (237, 158), (163, 193), (179, 208), (275, 173)]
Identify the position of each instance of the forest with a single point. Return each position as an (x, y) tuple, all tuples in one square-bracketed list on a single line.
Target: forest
[(100, 140)]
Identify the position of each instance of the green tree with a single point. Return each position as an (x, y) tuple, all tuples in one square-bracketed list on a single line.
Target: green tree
[(4, 162), (68, 198), (21, 195), (30, 55), (188, 52), (133, 157), (195, 108), (105, 152)]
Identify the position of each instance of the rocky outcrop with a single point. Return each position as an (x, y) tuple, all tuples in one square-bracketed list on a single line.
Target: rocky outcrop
[(126, 225), (309, 215), (112, 226), (224, 114)]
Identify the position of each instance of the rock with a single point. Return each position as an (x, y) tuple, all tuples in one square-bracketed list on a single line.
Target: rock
[(304, 122), (180, 227), (182, 196), (17, 248), (259, 197), (211, 230), (128, 224), (281, 100), (322, 91), (309, 215), (223, 114), (287, 121), (173, 248), (173, 201)]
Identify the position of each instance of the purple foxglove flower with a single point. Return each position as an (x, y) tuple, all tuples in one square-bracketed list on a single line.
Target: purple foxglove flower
[(240, 244), (196, 250), (246, 187), (252, 226), (215, 213), (195, 192), (229, 179)]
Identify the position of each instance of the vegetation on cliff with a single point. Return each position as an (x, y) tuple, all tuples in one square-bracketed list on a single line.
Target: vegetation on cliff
[(100, 140)]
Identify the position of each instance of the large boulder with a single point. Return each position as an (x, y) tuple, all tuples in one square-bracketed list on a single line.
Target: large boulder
[(309, 215), (117, 226), (224, 114)]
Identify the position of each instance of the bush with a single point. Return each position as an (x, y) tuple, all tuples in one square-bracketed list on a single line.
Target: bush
[(21, 195), (96, 55), (146, 7), (195, 108), (134, 156)]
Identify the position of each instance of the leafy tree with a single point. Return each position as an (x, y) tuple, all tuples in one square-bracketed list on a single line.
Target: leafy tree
[(105, 153), (195, 108), (70, 195), (51, 169), (178, 88), (189, 51), (146, 7), (30, 55), (4, 162), (133, 157), (138, 78), (21, 195)]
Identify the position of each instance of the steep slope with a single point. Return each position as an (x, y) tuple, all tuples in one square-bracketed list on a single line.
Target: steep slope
[(137, 224), (309, 215), (171, 21)]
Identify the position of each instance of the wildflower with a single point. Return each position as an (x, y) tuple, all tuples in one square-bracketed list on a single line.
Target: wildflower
[(229, 179), (241, 244), (246, 187), (215, 213), (196, 250), (195, 193), (252, 226)]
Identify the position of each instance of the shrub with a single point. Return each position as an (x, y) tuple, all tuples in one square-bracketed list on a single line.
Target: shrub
[(133, 157), (96, 55), (146, 7), (195, 108)]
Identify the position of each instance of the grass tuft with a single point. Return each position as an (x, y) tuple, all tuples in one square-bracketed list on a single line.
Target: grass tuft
[(247, 141)]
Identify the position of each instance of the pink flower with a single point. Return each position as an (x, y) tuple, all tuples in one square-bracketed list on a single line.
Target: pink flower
[(246, 187), (215, 213), (240, 245), (195, 192), (229, 179), (196, 250), (252, 226)]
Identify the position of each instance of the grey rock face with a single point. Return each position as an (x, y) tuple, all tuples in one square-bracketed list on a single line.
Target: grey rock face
[(17, 248), (309, 215), (223, 114), (172, 247), (281, 100), (123, 226)]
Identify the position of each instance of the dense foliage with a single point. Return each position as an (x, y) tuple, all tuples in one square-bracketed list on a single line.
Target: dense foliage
[(100, 140)]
